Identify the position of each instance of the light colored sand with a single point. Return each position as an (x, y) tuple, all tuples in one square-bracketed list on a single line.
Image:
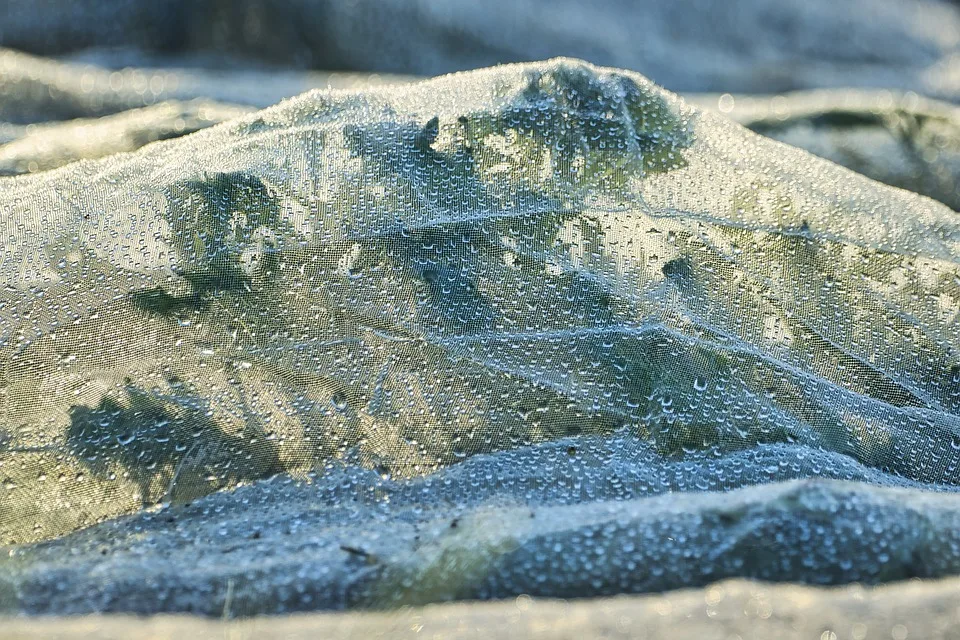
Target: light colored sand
[(723, 611)]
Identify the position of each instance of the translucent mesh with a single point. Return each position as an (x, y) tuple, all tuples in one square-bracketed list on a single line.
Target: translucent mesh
[(402, 278)]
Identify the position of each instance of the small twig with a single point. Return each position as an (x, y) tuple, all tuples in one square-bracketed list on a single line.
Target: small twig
[(355, 551), (228, 600), (168, 496)]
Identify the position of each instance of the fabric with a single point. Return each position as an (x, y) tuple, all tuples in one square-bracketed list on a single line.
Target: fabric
[(399, 280)]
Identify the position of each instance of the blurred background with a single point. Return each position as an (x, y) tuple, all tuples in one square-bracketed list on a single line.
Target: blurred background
[(871, 84), (753, 46)]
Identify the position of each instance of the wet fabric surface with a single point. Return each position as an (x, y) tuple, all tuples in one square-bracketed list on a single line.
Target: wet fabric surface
[(431, 310)]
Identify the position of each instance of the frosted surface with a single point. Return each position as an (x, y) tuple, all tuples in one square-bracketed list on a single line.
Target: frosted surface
[(541, 262), (901, 140)]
